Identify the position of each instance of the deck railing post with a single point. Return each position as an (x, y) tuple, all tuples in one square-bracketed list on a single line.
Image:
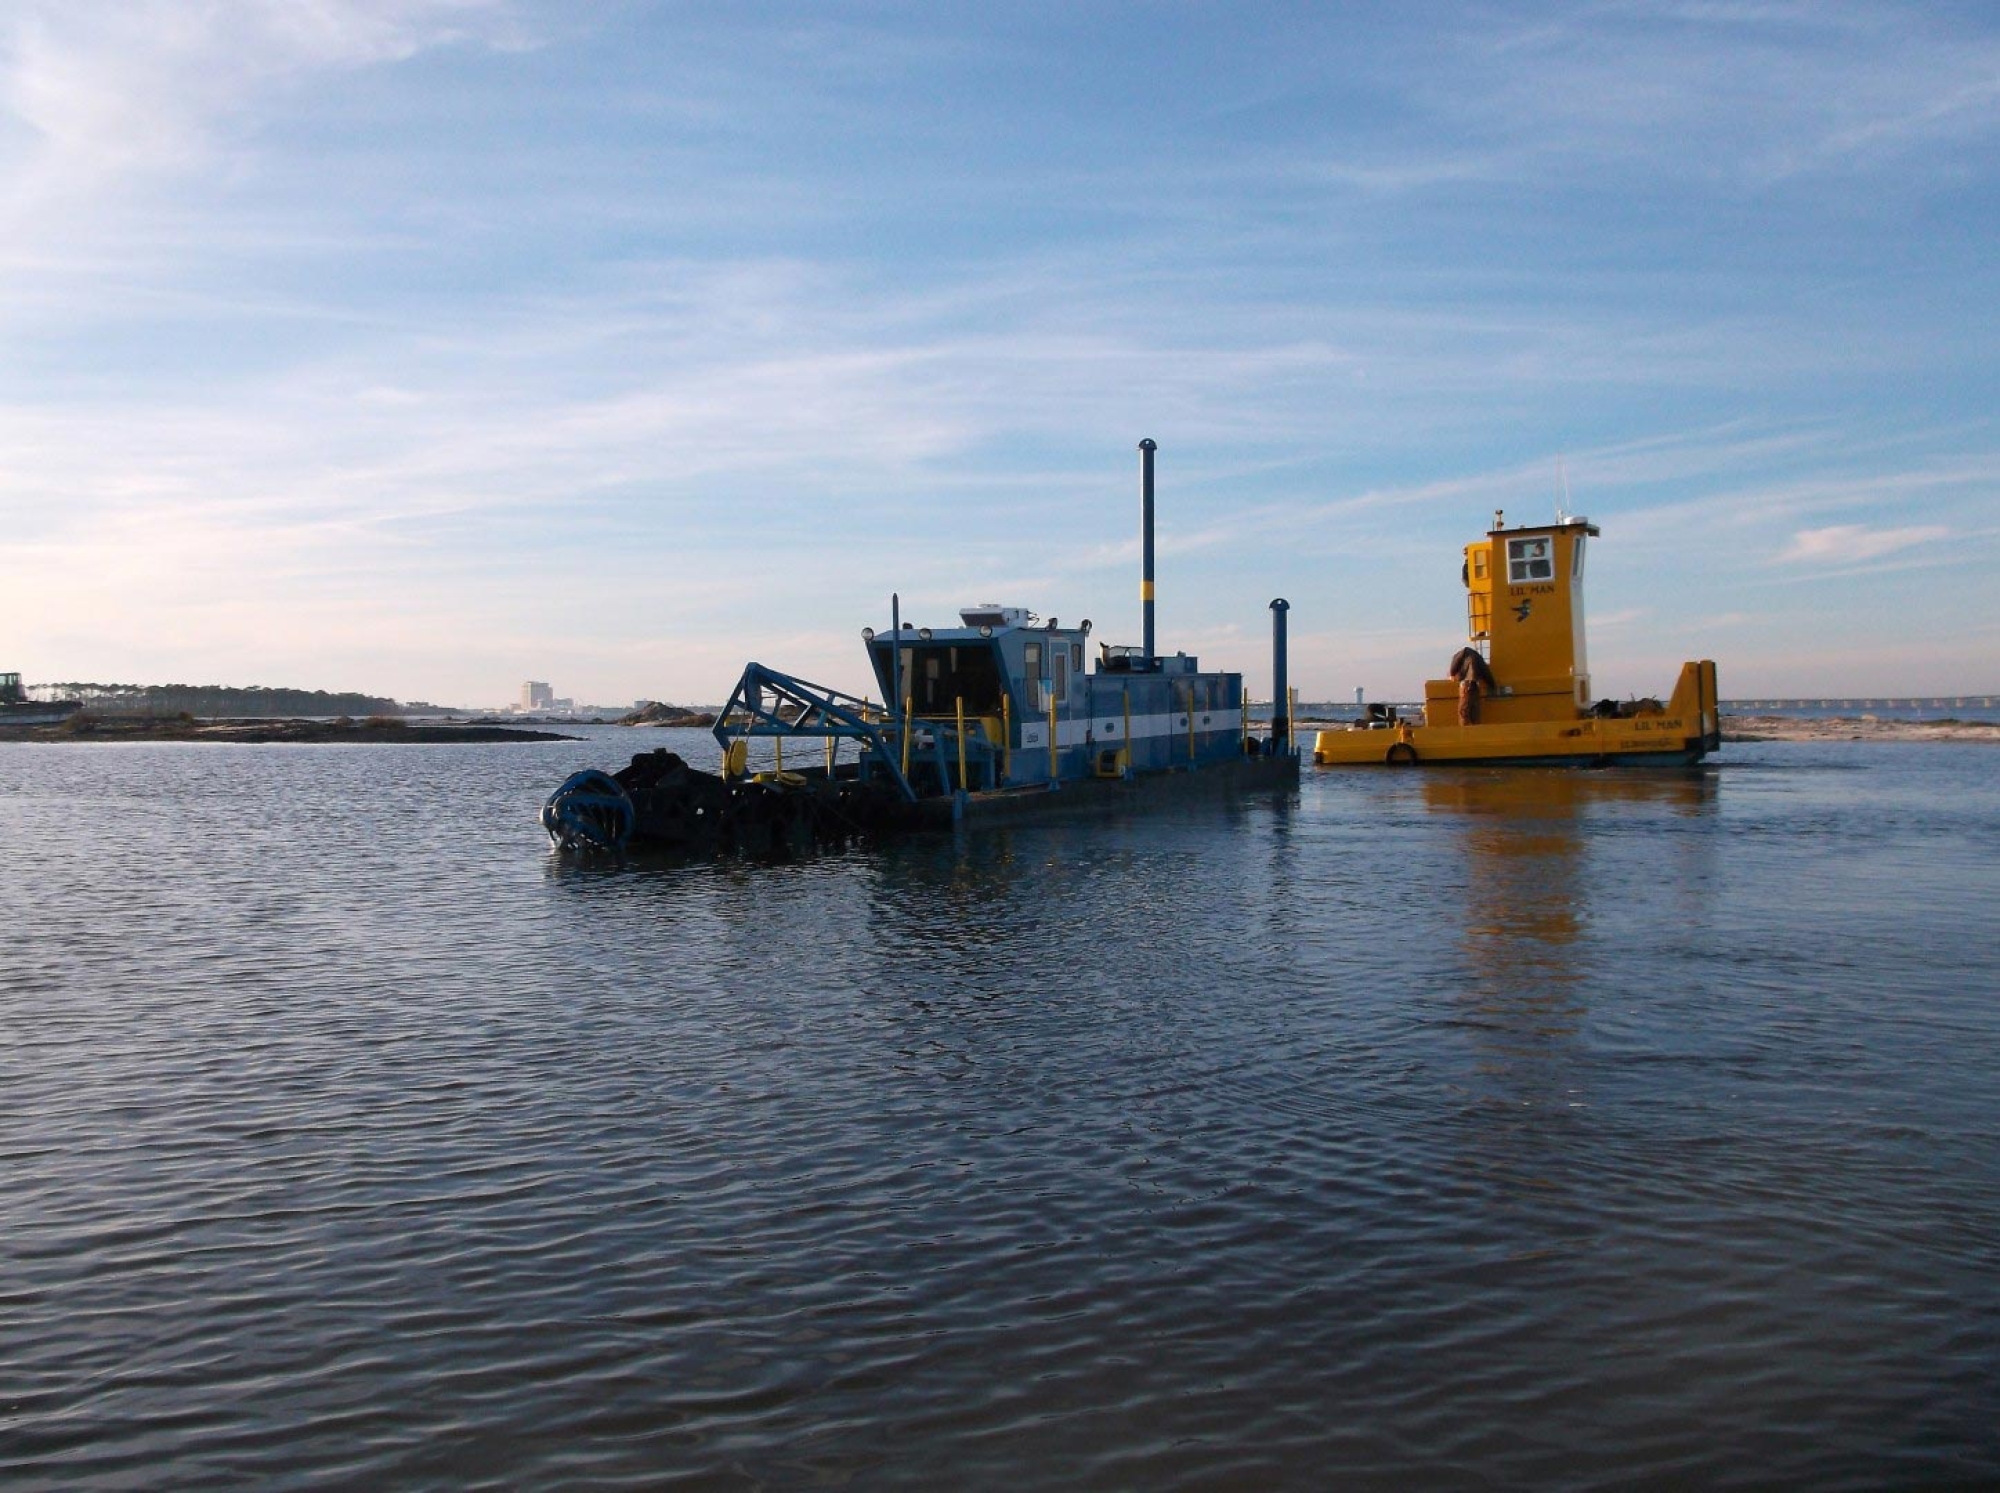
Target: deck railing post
[(1131, 761), (960, 705)]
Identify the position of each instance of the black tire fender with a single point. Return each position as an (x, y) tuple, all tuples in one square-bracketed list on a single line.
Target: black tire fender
[(1402, 754)]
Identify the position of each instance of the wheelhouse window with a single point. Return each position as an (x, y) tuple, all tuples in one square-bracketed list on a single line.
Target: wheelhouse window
[(1530, 559), (947, 674), (937, 676)]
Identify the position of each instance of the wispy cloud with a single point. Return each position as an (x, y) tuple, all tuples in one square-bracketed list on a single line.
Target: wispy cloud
[(1757, 93), (1846, 544), (99, 96), (325, 309)]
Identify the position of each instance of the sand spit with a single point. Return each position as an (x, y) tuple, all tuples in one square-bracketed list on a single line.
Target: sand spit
[(1853, 728)]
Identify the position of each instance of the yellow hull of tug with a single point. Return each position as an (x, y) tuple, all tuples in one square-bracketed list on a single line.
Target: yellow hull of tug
[(1684, 731)]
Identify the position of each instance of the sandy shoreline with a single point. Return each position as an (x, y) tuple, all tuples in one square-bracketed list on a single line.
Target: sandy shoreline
[(1853, 728)]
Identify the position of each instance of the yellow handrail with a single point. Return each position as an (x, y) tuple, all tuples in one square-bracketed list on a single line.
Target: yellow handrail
[(1129, 758)]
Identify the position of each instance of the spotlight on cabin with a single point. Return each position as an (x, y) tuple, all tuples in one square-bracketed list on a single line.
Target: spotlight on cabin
[(867, 634)]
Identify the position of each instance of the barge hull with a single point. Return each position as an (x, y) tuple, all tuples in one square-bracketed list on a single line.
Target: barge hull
[(1687, 729), (1092, 796), (658, 804)]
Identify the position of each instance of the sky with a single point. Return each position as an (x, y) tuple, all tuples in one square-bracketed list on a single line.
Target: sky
[(423, 347)]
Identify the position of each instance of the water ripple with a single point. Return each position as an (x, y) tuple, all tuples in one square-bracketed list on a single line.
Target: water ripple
[(1469, 1129)]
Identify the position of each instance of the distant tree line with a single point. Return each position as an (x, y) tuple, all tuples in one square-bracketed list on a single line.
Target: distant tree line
[(216, 700)]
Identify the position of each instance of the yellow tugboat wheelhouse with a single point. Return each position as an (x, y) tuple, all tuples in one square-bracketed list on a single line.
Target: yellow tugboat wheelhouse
[(1519, 691)]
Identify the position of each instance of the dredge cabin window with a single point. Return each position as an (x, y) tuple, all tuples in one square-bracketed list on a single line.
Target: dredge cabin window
[(1530, 560), (943, 675)]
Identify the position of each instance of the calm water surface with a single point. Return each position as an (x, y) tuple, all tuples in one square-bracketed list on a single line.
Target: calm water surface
[(1452, 1129)]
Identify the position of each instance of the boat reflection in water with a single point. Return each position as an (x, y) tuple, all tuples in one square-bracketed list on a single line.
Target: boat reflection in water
[(1564, 872)]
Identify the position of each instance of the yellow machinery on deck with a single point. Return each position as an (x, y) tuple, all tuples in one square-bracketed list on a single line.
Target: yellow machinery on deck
[(1520, 688)]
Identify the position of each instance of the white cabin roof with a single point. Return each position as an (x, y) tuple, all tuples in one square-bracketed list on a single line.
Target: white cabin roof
[(992, 614)]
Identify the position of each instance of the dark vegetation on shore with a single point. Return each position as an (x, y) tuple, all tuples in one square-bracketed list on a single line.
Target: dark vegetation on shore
[(92, 725), (215, 701)]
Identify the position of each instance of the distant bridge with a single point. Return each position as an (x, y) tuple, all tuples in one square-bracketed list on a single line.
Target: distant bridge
[(1873, 702)]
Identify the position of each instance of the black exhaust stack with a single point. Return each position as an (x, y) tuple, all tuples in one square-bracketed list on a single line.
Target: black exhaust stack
[(1281, 686), (1146, 449)]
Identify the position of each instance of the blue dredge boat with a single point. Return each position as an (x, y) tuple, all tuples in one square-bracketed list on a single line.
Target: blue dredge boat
[(997, 719)]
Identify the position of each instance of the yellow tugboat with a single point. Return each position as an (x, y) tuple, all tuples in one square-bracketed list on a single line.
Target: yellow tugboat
[(1519, 691)]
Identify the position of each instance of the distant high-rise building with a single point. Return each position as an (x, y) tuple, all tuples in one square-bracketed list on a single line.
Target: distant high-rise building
[(537, 694)]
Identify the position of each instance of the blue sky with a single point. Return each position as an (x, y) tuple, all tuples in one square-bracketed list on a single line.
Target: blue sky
[(426, 346)]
